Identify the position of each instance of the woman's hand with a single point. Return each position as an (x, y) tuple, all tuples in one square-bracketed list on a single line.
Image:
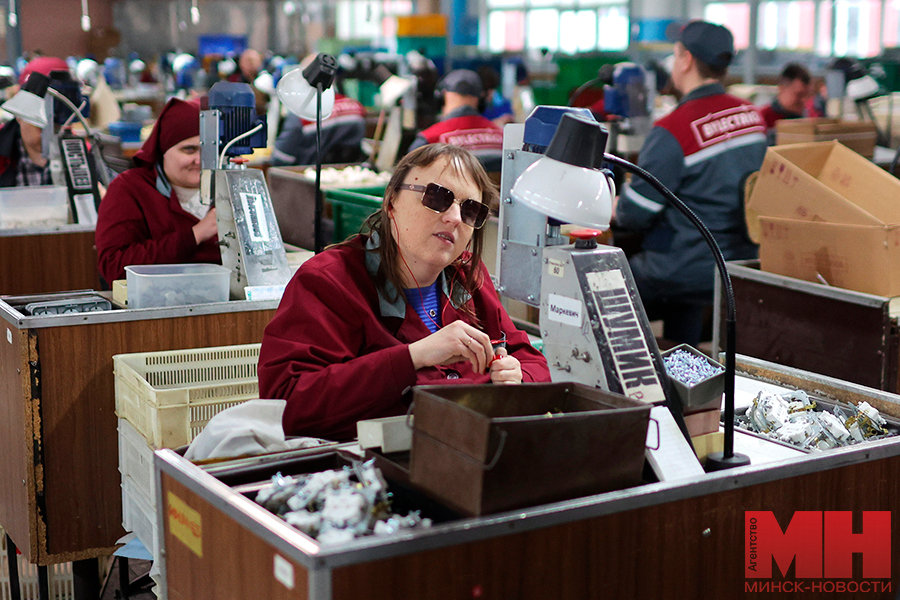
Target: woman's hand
[(207, 227), (506, 369), (456, 342)]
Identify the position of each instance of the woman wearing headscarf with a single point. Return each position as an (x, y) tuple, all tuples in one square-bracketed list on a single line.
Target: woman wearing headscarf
[(408, 303), (152, 213)]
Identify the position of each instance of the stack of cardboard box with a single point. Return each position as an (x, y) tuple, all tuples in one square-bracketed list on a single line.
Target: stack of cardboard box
[(856, 135), (823, 213)]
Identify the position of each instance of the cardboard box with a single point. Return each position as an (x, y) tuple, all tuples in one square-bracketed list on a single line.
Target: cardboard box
[(823, 213), (706, 444), (859, 136)]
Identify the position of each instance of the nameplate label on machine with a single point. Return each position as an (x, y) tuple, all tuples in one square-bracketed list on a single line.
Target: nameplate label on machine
[(628, 346), (77, 167), (255, 213), (564, 310)]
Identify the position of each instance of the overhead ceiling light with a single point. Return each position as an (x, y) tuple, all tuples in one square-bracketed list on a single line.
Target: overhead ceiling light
[(85, 18)]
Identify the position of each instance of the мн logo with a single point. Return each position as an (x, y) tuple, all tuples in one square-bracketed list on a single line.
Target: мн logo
[(821, 545)]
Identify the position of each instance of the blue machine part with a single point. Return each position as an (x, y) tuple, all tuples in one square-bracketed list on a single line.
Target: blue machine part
[(627, 96), (71, 89), (236, 104), (114, 71), (541, 124)]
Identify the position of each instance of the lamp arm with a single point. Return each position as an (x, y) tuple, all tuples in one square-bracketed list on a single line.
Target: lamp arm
[(730, 320), (317, 229), (72, 107)]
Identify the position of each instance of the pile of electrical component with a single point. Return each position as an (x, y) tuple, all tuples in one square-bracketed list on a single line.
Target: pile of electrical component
[(337, 506), (792, 418), (689, 368), (348, 175)]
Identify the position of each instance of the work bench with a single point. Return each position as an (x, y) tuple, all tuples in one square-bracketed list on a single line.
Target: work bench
[(41, 260), (678, 539), (60, 496), (837, 332)]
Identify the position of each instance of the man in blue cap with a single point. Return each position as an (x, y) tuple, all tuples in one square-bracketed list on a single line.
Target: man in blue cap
[(703, 151)]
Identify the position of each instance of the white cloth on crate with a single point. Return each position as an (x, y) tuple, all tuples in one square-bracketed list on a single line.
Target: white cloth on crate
[(253, 427)]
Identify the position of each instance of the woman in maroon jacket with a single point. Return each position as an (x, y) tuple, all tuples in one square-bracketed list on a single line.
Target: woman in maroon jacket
[(409, 304), (152, 213)]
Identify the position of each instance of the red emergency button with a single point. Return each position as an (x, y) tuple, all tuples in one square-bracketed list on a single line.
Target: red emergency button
[(585, 238)]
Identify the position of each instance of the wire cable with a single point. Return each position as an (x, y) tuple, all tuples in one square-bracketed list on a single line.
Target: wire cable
[(231, 143)]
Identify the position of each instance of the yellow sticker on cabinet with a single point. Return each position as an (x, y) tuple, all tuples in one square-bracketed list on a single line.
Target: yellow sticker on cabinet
[(185, 524)]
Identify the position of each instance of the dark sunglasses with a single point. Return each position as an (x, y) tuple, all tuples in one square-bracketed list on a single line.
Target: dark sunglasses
[(438, 198)]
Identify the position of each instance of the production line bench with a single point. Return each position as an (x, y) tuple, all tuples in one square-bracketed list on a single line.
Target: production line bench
[(679, 539), (60, 496)]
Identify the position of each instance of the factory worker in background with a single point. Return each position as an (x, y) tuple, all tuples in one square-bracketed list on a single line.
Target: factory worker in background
[(703, 151), (152, 213)]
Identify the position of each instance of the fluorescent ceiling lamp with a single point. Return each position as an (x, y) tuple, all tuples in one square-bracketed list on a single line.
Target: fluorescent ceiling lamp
[(564, 184)]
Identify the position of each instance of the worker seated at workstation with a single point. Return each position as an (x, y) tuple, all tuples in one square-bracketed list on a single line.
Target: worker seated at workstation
[(705, 159), (340, 138), (22, 162), (152, 213), (790, 102), (461, 124), (410, 303)]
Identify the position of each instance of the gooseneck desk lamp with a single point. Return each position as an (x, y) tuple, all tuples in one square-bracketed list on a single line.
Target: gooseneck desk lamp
[(296, 90), (565, 185), (30, 105)]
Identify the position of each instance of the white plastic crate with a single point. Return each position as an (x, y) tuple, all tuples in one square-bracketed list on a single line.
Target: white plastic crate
[(139, 517), (136, 461), (59, 577), (170, 396)]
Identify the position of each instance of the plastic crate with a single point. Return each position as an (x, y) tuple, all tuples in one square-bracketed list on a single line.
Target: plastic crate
[(350, 209), (59, 576), (136, 461), (139, 517), (169, 397)]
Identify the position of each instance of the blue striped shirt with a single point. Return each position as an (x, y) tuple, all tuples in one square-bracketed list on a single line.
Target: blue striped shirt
[(426, 303)]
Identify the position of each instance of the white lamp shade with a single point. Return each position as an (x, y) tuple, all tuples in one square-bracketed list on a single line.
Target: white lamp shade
[(299, 96), (393, 89), (265, 83), (567, 193), (28, 107)]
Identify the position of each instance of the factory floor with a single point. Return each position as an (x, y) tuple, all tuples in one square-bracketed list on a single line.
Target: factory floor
[(136, 568)]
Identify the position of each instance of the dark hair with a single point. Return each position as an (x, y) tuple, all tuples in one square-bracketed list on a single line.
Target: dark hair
[(707, 71), (490, 79), (794, 72), (468, 272)]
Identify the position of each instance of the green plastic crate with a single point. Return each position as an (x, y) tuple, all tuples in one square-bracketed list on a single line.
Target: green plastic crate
[(350, 209)]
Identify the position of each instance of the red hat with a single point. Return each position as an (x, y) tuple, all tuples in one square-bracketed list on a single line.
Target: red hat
[(178, 121), (44, 65)]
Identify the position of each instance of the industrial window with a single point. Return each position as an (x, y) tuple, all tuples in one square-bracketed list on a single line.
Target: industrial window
[(569, 26), (857, 30), (373, 20)]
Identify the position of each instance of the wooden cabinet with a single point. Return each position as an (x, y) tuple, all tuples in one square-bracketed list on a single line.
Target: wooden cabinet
[(41, 261), (60, 496), (836, 332)]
